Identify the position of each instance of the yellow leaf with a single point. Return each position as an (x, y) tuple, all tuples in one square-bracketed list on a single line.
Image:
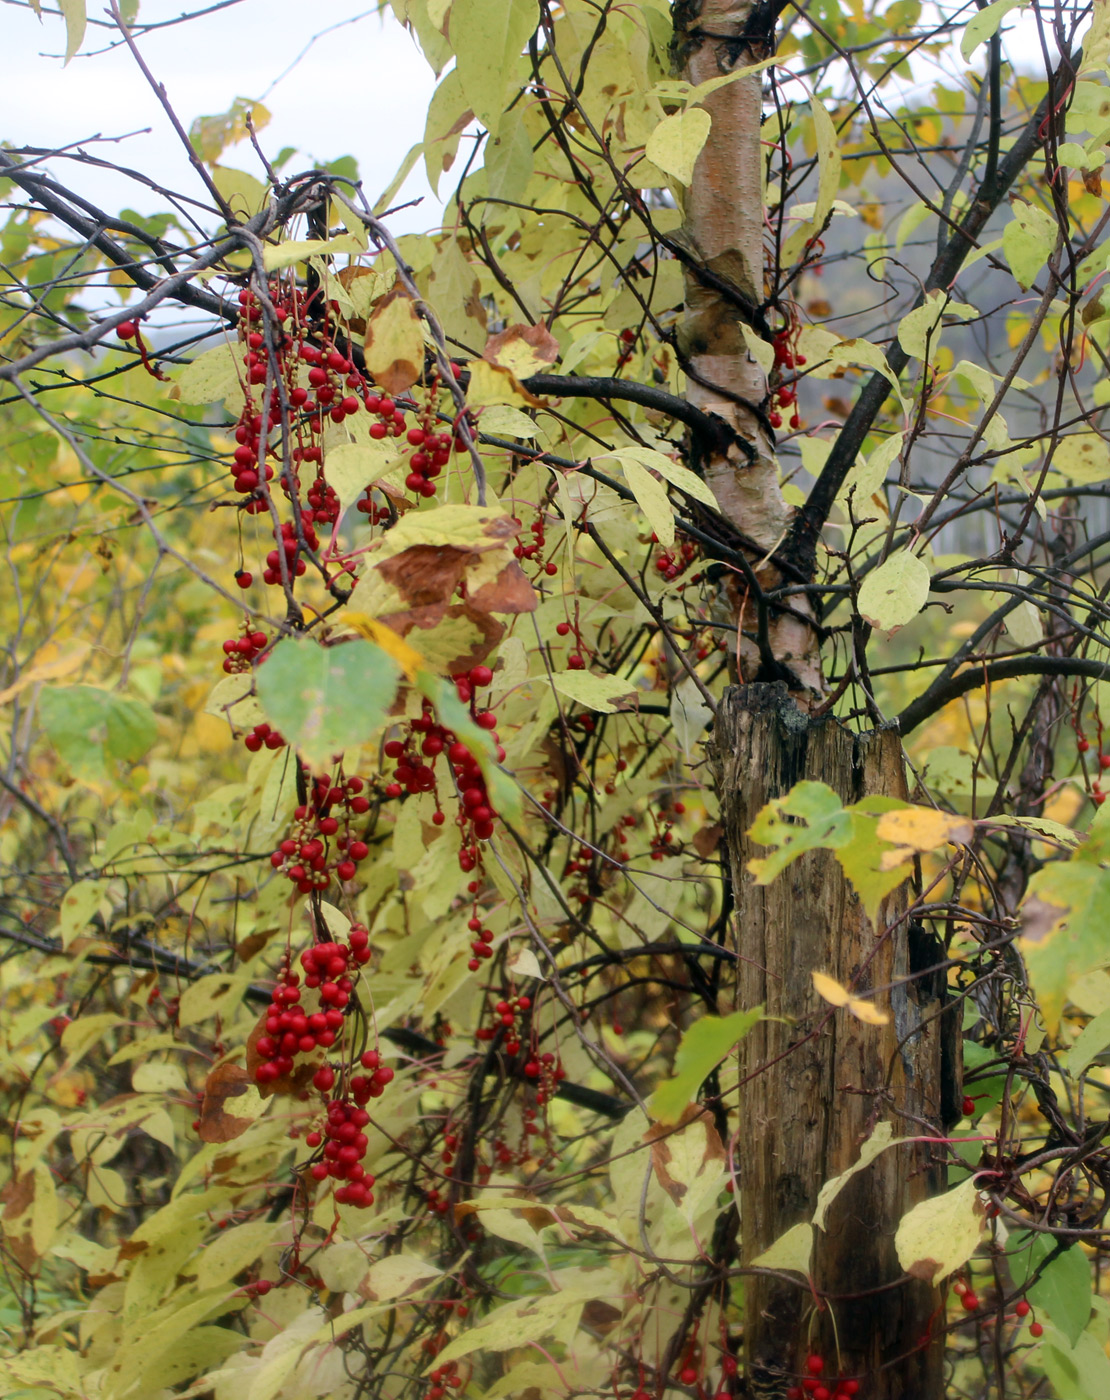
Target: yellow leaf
[(677, 141), (490, 384), (914, 830), (394, 645), (832, 992), (74, 12), (941, 1234), (395, 344), (47, 671)]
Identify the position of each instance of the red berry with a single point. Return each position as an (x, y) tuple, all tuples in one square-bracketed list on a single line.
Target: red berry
[(1036, 1330), (480, 675), (127, 330), (688, 1375), (815, 1364), (968, 1106), (324, 1078), (1023, 1307)]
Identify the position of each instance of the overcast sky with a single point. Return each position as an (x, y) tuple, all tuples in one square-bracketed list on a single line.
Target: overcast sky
[(361, 89)]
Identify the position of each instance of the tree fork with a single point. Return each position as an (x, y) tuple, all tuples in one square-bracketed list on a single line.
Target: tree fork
[(815, 1082)]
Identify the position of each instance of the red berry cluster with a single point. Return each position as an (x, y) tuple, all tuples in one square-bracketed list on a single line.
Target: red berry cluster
[(662, 838), (292, 1031), (536, 548), (547, 1069), (262, 736), (240, 653), (433, 452), (344, 1144), (367, 506), (783, 396), (670, 564), (295, 565), (321, 840), (819, 1387), (1083, 745), (443, 1379), (505, 1012)]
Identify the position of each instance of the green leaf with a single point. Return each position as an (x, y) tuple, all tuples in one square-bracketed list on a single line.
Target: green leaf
[(1081, 1373), (677, 141), (212, 376), (882, 1138), (88, 726), (74, 13), (595, 692), (1027, 240), (810, 817), (982, 26), (1092, 1040), (702, 1048), (919, 332), (327, 699), (815, 216), (793, 1250), (674, 472), (651, 497), (244, 194), (79, 904), (849, 832), (895, 592), (1064, 918), (295, 250), (489, 37), (1063, 1290)]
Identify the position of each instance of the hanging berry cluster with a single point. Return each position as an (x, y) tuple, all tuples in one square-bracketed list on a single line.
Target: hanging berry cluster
[(322, 841), (290, 1030), (344, 1144), (415, 756), (819, 1387), (240, 653), (1101, 758), (787, 358), (506, 1015)]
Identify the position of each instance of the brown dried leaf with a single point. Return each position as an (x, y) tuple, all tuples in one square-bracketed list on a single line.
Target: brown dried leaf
[(509, 592), (426, 575), (216, 1124), (706, 840), (523, 350)]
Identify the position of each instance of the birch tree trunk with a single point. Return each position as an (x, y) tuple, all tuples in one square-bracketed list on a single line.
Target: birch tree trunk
[(724, 231)]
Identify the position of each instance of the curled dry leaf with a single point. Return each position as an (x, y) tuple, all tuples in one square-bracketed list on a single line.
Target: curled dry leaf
[(217, 1124), (523, 350), (836, 995)]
